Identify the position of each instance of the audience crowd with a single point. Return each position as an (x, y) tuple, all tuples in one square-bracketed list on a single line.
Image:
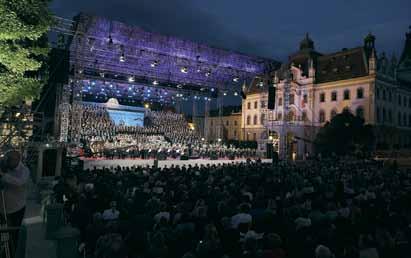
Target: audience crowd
[(316, 209)]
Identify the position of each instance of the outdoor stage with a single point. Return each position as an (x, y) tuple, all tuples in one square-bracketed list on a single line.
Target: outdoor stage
[(107, 163)]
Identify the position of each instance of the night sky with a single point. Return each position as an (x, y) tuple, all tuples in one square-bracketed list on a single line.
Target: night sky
[(265, 28)]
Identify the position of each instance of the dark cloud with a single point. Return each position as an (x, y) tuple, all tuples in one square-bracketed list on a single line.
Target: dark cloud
[(260, 27)]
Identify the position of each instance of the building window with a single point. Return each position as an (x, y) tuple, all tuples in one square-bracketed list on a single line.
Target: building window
[(399, 119), (384, 95), (305, 98), (359, 112), (409, 102), (346, 94), (377, 93), (262, 104), (262, 119), (404, 119), (211, 122), (248, 105), (255, 119), (291, 100), (322, 97), (389, 96), (235, 122), (383, 115), (360, 93), (399, 100), (280, 101), (346, 109), (291, 116), (255, 105), (409, 120), (279, 116), (405, 101), (390, 116), (334, 96), (333, 114), (235, 133), (227, 123), (304, 116), (254, 136), (322, 116), (248, 120)]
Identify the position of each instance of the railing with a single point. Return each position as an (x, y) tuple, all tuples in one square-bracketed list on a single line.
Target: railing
[(7, 247)]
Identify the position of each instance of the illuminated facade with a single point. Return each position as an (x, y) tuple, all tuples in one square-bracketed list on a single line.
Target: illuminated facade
[(313, 87)]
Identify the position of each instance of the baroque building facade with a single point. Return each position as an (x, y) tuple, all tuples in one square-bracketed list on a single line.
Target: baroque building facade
[(313, 87)]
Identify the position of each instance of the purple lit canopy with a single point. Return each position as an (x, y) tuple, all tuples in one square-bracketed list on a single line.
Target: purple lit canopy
[(114, 52)]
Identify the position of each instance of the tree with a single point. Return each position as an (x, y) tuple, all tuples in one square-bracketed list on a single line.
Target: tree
[(23, 48), (345, 134)]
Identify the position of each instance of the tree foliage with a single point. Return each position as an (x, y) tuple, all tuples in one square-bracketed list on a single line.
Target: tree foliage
[(345, 134), (23, 48)]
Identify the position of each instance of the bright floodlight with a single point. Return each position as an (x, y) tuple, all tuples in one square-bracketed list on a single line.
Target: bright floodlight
[(235, 93), (219, 139), (155, 82), (184, 69), (146, 105), (131, 79), (122, 58), (236, 79)]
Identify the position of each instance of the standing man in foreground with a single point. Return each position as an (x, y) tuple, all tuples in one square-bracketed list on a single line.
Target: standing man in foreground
[(14, 177)]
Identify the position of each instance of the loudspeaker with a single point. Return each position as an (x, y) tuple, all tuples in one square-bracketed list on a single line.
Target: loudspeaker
[(271, 97)]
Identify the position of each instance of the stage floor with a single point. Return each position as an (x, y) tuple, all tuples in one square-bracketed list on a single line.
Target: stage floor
[(107, 163)]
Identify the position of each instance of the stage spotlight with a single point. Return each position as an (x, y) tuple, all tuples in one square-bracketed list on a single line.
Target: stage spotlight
[(122, 58), (131, 79), (93, 83), (236, 79), (219, 140), (202, 139), (102, 75), (235, 93), (155, 82), (184, 69), (18, 114), (111, 85), (261, 83), (179, 86), (207, 74), (146, 105), (225, 93), (212, 89), (154, 63)]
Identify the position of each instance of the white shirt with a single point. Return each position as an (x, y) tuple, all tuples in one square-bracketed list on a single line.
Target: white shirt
[(109, 214), (15, 188)]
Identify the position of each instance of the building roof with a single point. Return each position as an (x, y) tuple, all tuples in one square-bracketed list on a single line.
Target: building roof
[(342, 65)]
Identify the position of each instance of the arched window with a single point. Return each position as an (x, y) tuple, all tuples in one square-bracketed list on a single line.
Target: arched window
[(322, 97), (279, 116), (333, 114), (255, 119), (377, 92), (262, 120), (334, 96), (360, 112), (346, 94), (291, 99), (291, 116), (360, 93), (322, 116), (404, 119), (399, 119), (248, 105), (384, 95), (389, 96), (255, 105), (248, 120), (389, 115), (383, 115), (304, 116)]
